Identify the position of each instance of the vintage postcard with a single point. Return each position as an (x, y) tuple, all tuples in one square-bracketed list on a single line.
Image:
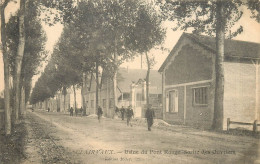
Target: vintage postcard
[(127, 81)]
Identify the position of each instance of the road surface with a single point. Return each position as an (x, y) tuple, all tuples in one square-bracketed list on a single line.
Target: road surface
[(59, 138)]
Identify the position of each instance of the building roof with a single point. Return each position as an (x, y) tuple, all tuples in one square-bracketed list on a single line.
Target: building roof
[(233, 48), (128, 76)]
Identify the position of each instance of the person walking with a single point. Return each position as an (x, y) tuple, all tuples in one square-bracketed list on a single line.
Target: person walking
[(71, 111), (129, 115), (149, 115), (81, 111), (122, 113), (99, 113)]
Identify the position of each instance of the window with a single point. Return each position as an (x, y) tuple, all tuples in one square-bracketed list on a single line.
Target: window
[(172, 101), (104, 103), (200, 96), (92, 103), (111, 103)]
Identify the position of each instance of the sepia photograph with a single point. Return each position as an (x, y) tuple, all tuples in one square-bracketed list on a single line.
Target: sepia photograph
[(130, 81)]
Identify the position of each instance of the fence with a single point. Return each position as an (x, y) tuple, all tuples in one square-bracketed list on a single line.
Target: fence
[(255, 124)]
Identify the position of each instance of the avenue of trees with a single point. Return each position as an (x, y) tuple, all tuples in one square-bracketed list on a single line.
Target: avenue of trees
[(102, 34), (23, 51)]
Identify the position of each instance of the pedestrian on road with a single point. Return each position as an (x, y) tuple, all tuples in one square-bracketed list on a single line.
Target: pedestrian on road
[(71, 111), (122, 113), (129, 115), (149, 115), (81, 111), (48, 109), (99, 113)]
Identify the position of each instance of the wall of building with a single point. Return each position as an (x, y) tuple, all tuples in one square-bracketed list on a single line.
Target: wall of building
[(191, 64), (105, 95), (239, 96), (192, 67), (200, 115)]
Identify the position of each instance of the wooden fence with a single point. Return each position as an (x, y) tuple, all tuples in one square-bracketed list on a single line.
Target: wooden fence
[(255, 124)]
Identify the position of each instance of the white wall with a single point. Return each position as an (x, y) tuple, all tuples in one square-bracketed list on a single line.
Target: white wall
[(239, 94)]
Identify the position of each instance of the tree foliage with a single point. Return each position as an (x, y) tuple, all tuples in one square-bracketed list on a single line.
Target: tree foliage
[(35, 40), (254, 7), (201, 17)]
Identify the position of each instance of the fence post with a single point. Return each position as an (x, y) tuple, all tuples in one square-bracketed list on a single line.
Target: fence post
[(255, 126), (228, 123)]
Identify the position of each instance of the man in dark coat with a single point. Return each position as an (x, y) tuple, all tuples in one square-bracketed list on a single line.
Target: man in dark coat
[(81, 111), (122, 113), (129, 115), (99, 113), (149, 114), (71, 111)]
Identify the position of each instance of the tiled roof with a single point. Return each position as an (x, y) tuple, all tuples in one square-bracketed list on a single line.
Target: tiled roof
[(233, 48)]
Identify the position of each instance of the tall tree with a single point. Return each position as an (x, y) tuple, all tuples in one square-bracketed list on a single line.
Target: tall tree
[(34, 48), (147, 34), (118, 17), (214, 17), (19, 58), (4, 3)]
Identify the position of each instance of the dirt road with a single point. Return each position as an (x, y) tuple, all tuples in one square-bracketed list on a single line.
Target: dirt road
[(59, 138)]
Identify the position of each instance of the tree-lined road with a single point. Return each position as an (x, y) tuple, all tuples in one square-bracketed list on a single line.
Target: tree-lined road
[(57, 137)]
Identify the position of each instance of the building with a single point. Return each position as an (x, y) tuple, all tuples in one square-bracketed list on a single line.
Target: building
[(130, 91), (188, 76)]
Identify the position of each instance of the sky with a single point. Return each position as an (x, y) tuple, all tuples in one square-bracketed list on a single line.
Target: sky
[(251, 33)]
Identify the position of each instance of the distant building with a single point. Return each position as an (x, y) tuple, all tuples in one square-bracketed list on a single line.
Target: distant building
[(188, 76), (130, 91)]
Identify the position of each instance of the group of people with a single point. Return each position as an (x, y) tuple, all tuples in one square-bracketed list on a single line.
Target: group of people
[(129, 113), (76, 111)]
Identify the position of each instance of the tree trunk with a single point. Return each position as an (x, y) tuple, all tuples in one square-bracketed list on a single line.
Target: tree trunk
[(75, 98), (147, 79), (19, 57), (6, 72), (64, 94), (115, 79), (97, 86), (23, 103), (219, 84), (82, 94), (83, 102)]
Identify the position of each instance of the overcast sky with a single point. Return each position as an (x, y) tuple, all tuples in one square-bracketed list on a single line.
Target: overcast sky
[(251, 33)]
